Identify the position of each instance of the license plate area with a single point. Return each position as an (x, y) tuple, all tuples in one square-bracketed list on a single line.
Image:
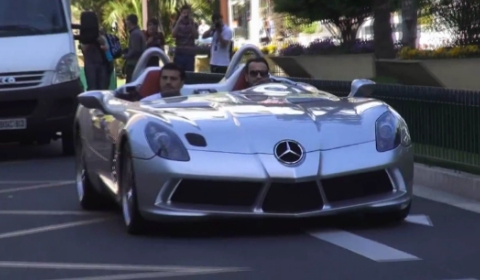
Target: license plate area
[(13, 124)]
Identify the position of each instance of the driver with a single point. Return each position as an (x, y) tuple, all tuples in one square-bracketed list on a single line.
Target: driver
[(257, 71), (171, 82)]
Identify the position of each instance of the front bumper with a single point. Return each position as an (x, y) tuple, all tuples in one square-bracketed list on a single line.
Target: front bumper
[(47, 109), (338, 181)]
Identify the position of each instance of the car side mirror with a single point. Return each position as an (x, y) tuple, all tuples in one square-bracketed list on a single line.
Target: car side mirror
[(361, 88), (127, 92), (93, 100)]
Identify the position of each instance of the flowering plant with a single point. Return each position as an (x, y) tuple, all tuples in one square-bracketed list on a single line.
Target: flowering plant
[(319, 47), (269, 49), (443, 52), (292, 50)]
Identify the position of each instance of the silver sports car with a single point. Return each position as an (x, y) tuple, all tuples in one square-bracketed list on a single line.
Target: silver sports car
[(278, 149)]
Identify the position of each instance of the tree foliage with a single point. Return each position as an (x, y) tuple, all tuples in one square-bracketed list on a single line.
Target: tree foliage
[(461, 17), (346, 15), (90, 5)]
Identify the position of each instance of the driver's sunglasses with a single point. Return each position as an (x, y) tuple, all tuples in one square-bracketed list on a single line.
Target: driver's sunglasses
[(254, 73)]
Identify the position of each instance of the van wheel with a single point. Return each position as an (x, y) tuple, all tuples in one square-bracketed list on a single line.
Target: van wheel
[(68, 143)]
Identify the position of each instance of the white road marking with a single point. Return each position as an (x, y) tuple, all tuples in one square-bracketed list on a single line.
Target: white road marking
[(112, 267), (33, 182), (20, 189), (147, 271), (447, 198), (49, 228), (150, 275), (363, 246), (419, 219), (49, 213)]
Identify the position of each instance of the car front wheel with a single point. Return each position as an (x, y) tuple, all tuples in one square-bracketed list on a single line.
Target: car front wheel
[(88, 196), (134, 222)]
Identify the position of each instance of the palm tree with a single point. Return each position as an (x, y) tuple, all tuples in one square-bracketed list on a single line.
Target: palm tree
[(115, 13), (170, 9)]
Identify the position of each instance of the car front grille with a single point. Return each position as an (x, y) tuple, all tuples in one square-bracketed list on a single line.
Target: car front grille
[(19, 80), (360, 185), (216, 193), (282, 198), (293, 198)]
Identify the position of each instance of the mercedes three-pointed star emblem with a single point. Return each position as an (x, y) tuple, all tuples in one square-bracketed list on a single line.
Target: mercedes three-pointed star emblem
[(289, 152)]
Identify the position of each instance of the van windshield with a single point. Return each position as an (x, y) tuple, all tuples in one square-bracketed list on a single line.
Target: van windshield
[(31, 17)]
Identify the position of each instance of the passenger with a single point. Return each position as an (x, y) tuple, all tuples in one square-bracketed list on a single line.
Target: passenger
[(171, 82), (256, 71)]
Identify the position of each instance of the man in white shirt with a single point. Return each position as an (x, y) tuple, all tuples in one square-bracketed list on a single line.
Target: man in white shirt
[(203, 27), (171, 82), (221, 45)]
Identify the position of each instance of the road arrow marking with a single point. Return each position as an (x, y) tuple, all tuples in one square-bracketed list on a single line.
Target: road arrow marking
[(362, 246), (420, 220)]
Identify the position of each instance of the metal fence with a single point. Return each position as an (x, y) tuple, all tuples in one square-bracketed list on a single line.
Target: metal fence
[(444, 123)]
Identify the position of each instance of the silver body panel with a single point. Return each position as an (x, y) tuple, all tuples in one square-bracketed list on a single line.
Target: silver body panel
[(155, 198), (241, 130)]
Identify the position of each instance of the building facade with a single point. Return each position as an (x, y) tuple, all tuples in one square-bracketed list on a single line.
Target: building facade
[(246, 17)]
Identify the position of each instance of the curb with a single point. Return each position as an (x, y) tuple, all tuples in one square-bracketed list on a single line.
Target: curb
[(447, 180)]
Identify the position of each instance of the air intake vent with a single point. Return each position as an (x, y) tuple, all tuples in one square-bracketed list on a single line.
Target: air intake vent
[(196, 140)]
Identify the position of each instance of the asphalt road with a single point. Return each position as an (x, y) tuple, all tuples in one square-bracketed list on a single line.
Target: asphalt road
[(44, 235)]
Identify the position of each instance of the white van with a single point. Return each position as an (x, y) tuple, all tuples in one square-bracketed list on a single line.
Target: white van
[(39, 73)]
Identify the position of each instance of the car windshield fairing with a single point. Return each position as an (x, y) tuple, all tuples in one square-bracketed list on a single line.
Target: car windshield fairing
[(280, 92)]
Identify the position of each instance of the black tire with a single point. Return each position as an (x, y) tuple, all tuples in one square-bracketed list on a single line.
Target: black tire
[(135, 224), (26, 143), (89, 198), (68, 143), (390, 217)]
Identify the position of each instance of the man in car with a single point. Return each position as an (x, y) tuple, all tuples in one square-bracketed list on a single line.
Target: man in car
[(256, 71), (171, 82)]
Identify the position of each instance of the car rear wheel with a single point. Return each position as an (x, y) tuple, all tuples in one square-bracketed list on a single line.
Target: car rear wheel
[(134, 222), (88, 196)]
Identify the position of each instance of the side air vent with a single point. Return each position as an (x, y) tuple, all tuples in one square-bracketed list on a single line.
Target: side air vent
[(196, 140)]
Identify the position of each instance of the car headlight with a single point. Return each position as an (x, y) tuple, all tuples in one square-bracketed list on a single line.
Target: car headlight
[(164, 143), (67, 69), (391, 131)]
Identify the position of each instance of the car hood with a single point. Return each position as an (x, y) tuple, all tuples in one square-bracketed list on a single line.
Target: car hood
[(256, 127)]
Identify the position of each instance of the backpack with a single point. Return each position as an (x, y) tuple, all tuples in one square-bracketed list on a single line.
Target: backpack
[(115, 47)]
